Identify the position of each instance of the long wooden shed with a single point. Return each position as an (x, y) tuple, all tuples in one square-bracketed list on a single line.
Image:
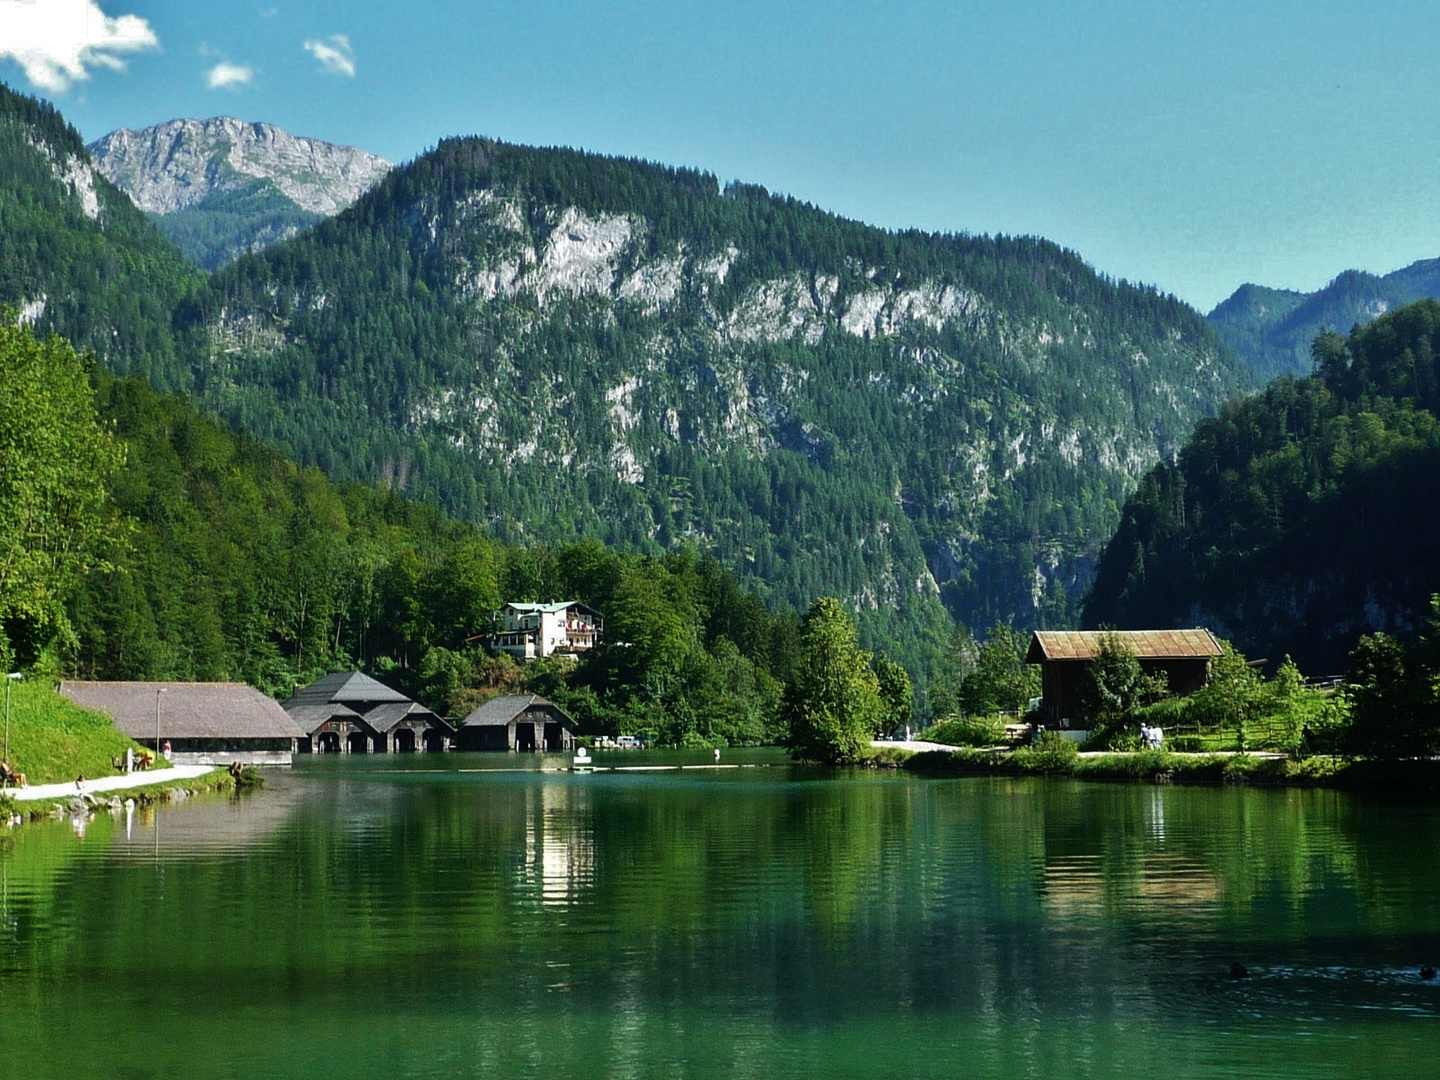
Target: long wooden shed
[(1182, 655)]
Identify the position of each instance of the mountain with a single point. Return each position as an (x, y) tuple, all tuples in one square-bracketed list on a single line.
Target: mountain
[(1273, 328), (76, 256), (554, 344), (1301, 517), (558, 343), (221, 187)]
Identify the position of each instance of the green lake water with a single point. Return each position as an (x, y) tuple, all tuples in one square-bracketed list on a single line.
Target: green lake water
[(449, 917)]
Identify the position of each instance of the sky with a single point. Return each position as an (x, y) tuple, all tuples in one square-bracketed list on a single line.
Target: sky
[(1193, 146)]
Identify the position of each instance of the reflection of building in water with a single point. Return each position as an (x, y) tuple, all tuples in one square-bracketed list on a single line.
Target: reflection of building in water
[(559, 843), (1090, 886)]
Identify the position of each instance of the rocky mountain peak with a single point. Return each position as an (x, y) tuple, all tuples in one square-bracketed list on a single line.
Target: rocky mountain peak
[(176, 165)]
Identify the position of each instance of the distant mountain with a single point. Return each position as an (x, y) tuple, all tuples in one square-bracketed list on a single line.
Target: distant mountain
[(221, 187), (1272, 328), (1299, 518)]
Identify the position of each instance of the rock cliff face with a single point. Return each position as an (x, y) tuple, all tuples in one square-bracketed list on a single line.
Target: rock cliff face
[(221, 187), (181, 163)]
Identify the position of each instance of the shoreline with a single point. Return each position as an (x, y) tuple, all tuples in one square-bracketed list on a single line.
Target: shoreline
[(1410, 778)]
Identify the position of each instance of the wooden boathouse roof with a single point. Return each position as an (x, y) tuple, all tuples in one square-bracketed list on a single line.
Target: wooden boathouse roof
[(499, 711), (1144, 644), (187, 710)]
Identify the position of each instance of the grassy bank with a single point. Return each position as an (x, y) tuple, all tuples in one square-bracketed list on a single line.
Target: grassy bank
[(162, 790), (1413, 778), (53, 740)]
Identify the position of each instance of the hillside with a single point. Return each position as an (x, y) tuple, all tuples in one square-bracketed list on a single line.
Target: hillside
[(1273, 328), (1299, 518), (556, 343), (76, 256), (221, 187)]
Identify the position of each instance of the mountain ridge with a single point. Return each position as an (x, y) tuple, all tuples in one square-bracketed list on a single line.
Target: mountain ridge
[(1273, 328), (224, 186)]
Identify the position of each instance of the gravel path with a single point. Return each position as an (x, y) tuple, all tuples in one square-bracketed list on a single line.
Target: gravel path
[(108, 783)]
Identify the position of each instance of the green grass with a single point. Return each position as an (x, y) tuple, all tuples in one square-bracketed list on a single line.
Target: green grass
[(53, 740), (967, 731)]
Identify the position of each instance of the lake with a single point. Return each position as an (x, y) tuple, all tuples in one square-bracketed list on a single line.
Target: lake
[(410, 917)]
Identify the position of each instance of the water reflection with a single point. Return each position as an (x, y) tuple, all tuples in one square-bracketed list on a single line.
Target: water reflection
[(750, 923)]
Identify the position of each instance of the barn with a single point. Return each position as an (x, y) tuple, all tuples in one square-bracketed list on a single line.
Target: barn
[(1182, 655)]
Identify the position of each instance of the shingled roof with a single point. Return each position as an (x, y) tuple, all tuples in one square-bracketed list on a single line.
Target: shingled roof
[(499, 711), (1144, 644), (384, 717), (310, 717), (187, 710), (345, 688)]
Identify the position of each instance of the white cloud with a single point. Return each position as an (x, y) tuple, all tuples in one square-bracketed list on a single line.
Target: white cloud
[(334, 53), (57, 42), (227, 76)]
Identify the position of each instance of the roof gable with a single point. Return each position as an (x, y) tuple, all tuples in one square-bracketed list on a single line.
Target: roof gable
[(500, 711), (1143, 644), (347, 688)]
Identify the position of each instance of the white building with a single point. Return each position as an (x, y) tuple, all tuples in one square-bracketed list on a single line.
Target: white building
[(528, 631)]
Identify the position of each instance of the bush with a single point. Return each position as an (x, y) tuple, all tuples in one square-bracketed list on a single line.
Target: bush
[(1051, 755), (1186, 744), (967, 731)]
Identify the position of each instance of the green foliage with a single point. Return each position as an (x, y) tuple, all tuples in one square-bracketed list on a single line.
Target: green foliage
[(896, 692), (55, 461), (1113, 689), (1394, 694), (1001, 680), (53, 740), (1050, 755), (833, 708), (967, 731), (1296, 515)]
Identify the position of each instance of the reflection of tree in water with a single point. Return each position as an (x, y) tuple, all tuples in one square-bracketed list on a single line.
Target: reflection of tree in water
[(754, 903)]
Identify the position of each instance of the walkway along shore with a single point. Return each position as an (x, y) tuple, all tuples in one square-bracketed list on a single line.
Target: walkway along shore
[(148, 778)]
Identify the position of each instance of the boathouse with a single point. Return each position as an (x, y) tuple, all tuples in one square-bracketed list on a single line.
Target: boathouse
[(204, 723), (518, 722), (1182, 655), (349, 712)]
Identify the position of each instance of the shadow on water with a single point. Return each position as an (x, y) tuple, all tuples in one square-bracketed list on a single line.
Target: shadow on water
[(732, 922)]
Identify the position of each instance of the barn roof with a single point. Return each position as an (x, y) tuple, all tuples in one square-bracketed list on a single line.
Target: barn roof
[(499, 711), (187, 710), (1144, 644), (345, 687)]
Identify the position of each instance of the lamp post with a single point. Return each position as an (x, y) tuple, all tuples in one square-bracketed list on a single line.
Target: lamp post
[(8, 680), (158, 691)]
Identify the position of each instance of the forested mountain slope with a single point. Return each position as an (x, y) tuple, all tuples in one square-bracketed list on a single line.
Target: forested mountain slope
[(1299, 518), (557, 343), (224, 186), (1273, 328), (76, 257)]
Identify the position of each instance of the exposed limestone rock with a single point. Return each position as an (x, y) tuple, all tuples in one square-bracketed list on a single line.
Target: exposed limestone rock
[(180, 163)]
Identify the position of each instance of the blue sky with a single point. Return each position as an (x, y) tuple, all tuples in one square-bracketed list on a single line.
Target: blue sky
[(1194, 146)]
